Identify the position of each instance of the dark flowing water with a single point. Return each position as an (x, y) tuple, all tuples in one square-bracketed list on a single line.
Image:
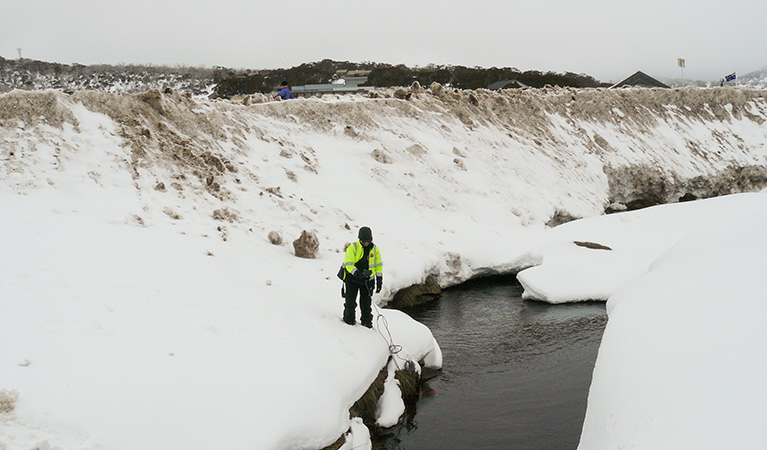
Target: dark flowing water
[(516, 373)]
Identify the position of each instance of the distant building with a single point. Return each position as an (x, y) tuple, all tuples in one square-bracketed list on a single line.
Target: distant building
[(640, 79), (348, 82), (507, 84), (353, 77)]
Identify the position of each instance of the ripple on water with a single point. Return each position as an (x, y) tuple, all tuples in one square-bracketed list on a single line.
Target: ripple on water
[(516, 372)]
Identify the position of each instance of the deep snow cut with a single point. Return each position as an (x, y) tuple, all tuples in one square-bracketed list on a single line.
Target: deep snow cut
[(145, 307)]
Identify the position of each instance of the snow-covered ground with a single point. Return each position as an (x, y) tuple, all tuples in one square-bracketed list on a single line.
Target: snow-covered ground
[(145, 307), (755, 79), (570, 272), (38, 76), (682, 360)]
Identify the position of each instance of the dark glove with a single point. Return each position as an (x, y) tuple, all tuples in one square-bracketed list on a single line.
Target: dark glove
[(364, 274), (379, 283), (370, 285)]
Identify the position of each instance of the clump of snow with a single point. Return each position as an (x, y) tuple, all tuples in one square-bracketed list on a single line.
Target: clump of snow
[(415, 339), (390, 405), (358, 437)]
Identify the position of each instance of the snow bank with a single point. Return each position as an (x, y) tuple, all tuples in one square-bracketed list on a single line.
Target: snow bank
[(567, 267), (145, 307), (681, 362)]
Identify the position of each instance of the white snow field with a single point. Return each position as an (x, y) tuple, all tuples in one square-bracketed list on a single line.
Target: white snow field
[(143, 306)]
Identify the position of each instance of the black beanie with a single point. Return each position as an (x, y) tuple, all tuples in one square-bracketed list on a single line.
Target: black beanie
[(365, 234)]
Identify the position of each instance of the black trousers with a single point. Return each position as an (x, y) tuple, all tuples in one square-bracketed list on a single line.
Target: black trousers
[(350, 305)]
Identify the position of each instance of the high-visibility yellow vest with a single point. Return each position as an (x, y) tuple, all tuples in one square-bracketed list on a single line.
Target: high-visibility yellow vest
[(354, 253)]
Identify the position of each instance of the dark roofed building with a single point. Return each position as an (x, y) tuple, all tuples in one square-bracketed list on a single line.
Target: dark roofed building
[(507, 84), (640, 79)]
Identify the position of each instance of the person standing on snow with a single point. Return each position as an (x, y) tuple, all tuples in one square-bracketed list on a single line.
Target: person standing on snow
[(362, 271), (284, 93)]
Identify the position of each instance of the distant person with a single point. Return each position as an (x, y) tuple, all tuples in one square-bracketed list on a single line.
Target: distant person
[(284, 93), (362, 271)]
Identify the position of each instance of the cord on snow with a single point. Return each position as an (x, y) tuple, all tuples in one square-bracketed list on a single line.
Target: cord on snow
[(394, 349)]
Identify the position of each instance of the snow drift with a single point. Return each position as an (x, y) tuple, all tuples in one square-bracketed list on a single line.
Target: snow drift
[(681, 359), (136, 248)]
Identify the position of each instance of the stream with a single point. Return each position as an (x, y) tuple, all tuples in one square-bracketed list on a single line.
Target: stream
[(516, 373)]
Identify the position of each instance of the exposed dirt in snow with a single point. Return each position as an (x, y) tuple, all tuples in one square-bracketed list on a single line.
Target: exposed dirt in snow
[(604, 149)]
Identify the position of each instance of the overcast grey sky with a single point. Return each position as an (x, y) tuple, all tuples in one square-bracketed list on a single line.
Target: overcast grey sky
[(607, 39)]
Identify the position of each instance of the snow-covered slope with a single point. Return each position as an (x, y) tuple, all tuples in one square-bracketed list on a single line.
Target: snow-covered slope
[(680, 363), (135, 250), (39, 75), (440, 160), (755, 79)]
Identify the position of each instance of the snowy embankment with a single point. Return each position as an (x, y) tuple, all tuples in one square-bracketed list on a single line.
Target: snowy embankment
[(590, 259), (144, 307), (682, 360)]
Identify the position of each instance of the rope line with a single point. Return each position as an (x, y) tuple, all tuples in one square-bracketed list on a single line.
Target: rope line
[(394, 349)]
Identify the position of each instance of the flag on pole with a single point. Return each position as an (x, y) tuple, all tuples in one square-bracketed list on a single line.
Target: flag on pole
[(730, 77)]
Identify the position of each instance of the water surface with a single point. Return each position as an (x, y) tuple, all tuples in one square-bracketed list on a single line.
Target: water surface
[(516, 373)]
